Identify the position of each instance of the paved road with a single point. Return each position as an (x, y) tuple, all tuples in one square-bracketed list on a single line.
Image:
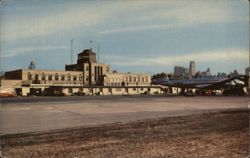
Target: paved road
[(21, 115)]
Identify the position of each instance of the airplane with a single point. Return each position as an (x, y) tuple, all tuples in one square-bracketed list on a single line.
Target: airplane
[(204, 83)]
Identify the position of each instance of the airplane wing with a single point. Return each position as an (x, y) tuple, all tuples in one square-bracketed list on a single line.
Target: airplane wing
[(202, 85)]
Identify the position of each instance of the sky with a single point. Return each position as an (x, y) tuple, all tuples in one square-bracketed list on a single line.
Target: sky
[(133, 36)]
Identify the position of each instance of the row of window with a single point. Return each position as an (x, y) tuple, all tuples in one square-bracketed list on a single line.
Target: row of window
[(124, 84), (87, 68), (56, 77), (70, 90), (129, 79)]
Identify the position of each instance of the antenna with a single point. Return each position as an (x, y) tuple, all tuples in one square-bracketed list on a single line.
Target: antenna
[(71, 51)]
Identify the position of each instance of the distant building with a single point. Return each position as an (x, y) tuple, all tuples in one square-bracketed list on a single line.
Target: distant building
[(180, 71), (222, 74), (192, 68), (206, 73), (32, 65), (234, 74)]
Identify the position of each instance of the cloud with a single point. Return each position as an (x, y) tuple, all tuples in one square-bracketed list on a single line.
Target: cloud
[(224, 55), (128, 16), (31, 49), (137, 28), (45, 22), (181, 14)]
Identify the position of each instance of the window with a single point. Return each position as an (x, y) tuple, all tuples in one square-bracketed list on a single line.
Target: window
[(74, 78), (43, 76), (62, 77), (29, 76), (87, 68), (130, 79), (36, 77), (80, 78), (142, 79), (50, 77), (70, 90), (134, 89), (68, 77), (56, 76), (141, 89), (134, 79)]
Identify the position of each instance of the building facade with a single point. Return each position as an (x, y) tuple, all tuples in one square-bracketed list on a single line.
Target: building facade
[(37, 82), (91, 70), (126, 79), (180, 71), (192, 68), (206, 73), (85, 77), (53, 77)]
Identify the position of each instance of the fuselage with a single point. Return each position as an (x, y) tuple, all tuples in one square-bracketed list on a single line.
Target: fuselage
[(189, 83), (199, 81)]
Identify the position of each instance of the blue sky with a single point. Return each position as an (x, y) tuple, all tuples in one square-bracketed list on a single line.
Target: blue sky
[(134, 36)]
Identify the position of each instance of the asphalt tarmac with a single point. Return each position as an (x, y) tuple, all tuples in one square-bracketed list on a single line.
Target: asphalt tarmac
[(33, 114)]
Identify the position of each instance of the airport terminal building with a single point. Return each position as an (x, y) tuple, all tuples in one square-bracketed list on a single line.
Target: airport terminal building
[(85, 77)]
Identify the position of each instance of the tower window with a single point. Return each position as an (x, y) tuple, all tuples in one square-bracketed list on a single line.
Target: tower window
[(80, 78)]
